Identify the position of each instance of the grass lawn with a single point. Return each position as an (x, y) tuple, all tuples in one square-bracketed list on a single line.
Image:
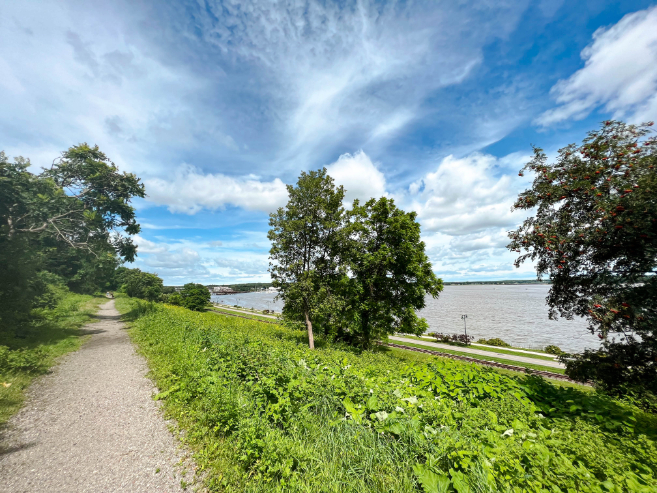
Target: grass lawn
[(54, 333), (503, 350), (485, 358)]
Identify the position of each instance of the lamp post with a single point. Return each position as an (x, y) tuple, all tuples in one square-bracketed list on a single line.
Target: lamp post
[(465, 327)]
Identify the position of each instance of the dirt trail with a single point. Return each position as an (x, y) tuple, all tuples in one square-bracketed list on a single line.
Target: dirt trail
[(91, 425)]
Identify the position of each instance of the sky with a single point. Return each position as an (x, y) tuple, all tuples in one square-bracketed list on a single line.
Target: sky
[(217, 105)]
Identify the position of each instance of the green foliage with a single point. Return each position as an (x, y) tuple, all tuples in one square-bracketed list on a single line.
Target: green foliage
[(390, 272), (595, 234), (194, 297), (496, 341), (552, 349), (73, 219), (173, 299), (142, 285), (357, 276), (336, 420), (52, 333)]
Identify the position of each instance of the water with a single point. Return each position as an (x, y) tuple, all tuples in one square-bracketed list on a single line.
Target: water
[(515, 313), (261, 300)]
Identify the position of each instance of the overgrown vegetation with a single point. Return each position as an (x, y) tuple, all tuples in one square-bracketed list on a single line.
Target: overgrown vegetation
[(594, 233), (264, 413), (54, 331)]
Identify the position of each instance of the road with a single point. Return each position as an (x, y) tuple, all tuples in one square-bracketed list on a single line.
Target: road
[(480, 352)]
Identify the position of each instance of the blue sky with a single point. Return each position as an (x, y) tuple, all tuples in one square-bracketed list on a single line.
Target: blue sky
[(217, 105)]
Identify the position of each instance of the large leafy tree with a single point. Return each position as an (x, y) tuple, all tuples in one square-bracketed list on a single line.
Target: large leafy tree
[(142, 285), (82, 202), (195, 296), (594, 233), (304, 236), (390, 273)]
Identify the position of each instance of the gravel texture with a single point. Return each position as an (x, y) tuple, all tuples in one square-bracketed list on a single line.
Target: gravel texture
[(92, 426)]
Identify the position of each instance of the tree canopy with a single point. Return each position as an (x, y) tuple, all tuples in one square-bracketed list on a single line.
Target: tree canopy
[(194, 296), (73, 219), (357, 275), (594, 232)]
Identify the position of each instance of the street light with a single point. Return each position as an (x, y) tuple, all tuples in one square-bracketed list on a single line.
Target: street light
[(465, 327)]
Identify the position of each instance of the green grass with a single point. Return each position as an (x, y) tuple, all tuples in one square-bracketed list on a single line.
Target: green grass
[(502, 350), (264, 413), (53, 333), (531, 366), (241, 314)]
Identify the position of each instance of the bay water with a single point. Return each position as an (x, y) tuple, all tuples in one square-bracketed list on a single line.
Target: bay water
[(515, 313)]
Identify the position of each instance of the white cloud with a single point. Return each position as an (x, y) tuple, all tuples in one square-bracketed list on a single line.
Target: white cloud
[(620, 73), (468, 195), (360, 177), (189, 191)]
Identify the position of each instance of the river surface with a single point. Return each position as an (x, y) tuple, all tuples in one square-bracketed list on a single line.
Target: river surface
[(515, 313)]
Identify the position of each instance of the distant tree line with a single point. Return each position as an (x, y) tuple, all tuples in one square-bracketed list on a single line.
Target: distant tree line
[(354, 274)]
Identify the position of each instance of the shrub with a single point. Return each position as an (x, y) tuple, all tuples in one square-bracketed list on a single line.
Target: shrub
[(551, 349), (335, 419), (496, 341), (194, 296)]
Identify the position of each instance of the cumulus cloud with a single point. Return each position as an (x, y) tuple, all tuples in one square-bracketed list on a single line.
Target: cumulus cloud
[(360, 177), (190, 190), (620, 73), (467, 195)]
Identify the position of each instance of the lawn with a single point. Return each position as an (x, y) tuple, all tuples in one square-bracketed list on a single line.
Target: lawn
[(53, 333), (262, 412), (456, 352)]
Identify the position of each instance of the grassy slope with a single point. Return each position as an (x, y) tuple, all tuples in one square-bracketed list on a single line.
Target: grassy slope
[(55, 332), (264, 413)]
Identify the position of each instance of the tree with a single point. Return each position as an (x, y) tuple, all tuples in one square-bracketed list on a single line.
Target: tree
[(142, 285), (390, 273), (304, 235), (594, 232), (80, 203), (194, 296)]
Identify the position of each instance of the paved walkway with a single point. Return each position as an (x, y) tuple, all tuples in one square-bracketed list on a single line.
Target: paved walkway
[(522, 351), (480, 352), (92, 426), (228, 308)]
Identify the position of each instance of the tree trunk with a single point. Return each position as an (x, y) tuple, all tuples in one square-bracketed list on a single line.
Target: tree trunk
[(309, 325)]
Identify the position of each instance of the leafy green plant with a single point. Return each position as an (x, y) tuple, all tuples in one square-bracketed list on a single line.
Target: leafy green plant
[(496, 341), (551, 349)]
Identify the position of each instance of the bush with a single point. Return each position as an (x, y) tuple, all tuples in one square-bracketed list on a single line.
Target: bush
[(496, 341), (551, 349), (173, 299), (458, 338)]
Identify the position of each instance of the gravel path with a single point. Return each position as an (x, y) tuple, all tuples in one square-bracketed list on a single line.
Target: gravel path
[(479, 352), (92, 426)]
